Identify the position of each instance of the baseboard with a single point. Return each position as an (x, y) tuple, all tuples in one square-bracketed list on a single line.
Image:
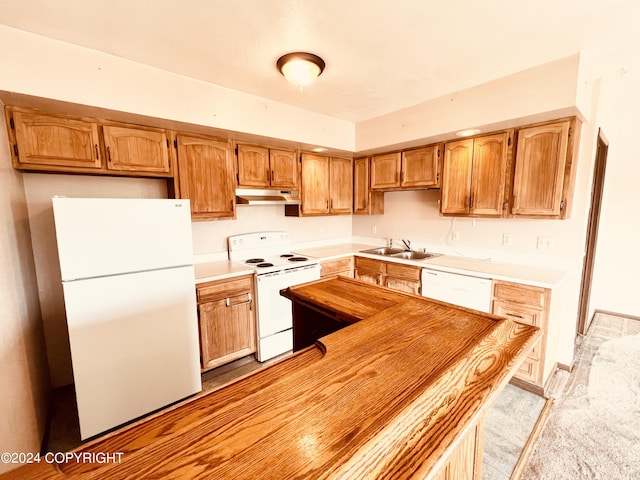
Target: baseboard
[(616, 314), (566, 368), (529, 387), (531, 441)]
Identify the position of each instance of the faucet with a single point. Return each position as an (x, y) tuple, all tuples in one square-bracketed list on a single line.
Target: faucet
[(407, 244)]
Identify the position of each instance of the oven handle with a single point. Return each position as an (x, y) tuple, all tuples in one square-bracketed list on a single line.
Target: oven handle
[(228, 301)]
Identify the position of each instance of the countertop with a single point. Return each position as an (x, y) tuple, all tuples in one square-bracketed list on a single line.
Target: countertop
[(511, 272), (389, 396), (219, 270)]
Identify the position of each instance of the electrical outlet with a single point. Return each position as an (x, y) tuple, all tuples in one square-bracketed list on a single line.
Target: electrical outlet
[(507, 239), (374, 229), (545, 243), (455, 235)]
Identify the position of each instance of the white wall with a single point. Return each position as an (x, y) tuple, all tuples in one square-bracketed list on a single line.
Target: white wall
[(614, 288), (23, 366), (52, 69), (542, 92)]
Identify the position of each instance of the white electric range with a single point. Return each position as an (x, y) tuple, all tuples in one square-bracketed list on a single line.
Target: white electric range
[(275, 268)]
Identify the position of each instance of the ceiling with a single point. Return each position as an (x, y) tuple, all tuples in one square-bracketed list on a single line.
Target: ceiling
[(381, 55)]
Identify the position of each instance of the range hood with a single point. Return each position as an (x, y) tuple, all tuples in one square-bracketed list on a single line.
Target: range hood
[(250, 196)]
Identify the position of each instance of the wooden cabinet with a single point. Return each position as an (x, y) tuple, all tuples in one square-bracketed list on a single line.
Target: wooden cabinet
[(136, 149), (365, 201), (339, 266), (340, 185), (408, 170), (528, 305), (53, 143), (405, 278), (544, 169), (206, 176), (262, 167), (227, 320), (59, 143), (397, 276), (474, 176), (326, 186)]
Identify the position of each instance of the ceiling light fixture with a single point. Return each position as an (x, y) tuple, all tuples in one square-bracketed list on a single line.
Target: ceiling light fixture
[(300, 68), (468, 133)]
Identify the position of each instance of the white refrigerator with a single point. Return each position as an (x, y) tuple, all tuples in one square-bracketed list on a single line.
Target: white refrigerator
[(129, 293)]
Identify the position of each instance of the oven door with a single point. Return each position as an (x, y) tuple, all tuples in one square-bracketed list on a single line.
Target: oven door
[(274, 311)]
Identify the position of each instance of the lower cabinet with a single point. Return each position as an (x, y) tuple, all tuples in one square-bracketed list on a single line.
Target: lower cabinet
[(528, 305), (397, 276), (339, 266), (227, 320)]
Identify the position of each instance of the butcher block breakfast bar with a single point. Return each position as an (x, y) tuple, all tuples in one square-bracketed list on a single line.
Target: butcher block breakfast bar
[(383, 385)]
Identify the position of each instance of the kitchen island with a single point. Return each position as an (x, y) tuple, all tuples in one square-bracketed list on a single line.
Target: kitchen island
[(400, 393)]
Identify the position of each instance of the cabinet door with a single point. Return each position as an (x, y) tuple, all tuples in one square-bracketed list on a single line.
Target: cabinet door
[(403, 285), (540, 166), (419, 168), (385, 171), (369, 270), (227, 330), (314, 190), (50, 141), (136, 149), (361, 186), (206, 176), (253, 166), (284, 169), (456, 177), (365, 202), (340, 185), (488, 174)]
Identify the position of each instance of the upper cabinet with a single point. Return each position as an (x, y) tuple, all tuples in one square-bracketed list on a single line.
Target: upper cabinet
[(474, 173), (326, 186), (60, 143), (409, 169), (135, 148), (261, 167), (365, 201), (51, 142), (206, 175), (544, 169)]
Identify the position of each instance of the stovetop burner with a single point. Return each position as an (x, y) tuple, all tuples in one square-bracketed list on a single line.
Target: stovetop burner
[(298, 259), (286, 255), (254, 260), (264, 264)]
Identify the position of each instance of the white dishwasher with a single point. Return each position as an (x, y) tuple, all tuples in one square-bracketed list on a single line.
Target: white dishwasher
[(462, 290)]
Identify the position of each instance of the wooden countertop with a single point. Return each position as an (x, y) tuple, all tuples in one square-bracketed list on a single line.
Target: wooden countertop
[(386, 397)]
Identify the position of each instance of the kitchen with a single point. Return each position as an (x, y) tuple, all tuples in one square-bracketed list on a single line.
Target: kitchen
[(413, 215)]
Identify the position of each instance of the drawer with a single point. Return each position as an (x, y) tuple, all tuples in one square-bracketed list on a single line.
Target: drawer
[(408, 272), (334, 267), (219, 289), (518, 313), (370, 265), (523, 294)]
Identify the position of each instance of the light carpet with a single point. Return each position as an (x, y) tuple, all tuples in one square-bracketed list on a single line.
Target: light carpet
[(593, 431)]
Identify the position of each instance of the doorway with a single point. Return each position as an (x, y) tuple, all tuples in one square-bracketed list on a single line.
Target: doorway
[(592, 233)]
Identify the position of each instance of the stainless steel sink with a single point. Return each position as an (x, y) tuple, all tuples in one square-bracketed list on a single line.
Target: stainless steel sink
[(413, 255), (383, 251), (399, 253)]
